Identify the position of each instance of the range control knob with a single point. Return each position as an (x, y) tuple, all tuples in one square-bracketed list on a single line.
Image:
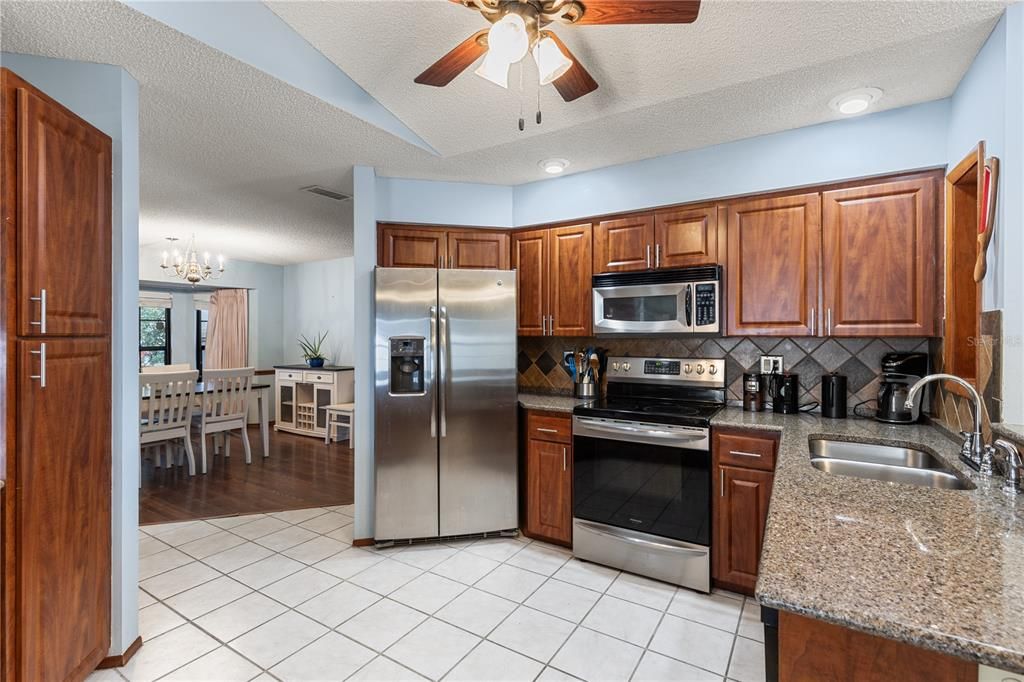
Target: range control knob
[(700, 369), (625, 366), (713, 369), (687, 368), (615, 366)]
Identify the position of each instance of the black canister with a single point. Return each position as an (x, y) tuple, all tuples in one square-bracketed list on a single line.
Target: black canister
[(833, 396), (786, 393), (753, 400)]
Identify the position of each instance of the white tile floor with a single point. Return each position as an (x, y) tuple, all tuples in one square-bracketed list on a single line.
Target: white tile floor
[(285, 596)]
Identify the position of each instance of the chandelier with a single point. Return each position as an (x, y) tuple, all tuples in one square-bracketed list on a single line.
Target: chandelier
[(187, 266)]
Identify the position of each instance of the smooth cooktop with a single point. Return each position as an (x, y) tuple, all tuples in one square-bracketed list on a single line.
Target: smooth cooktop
[(685, 413)]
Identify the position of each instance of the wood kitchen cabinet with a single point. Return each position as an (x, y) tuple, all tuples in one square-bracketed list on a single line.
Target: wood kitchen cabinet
[(773, 265), (685, 237), (409, 246), (743, 464), (553, 280), (624, 244), (55, 364), (879, 246), (548, 477)]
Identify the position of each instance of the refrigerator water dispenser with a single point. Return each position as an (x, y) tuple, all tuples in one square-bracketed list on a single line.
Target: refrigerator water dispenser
[(406, 365)]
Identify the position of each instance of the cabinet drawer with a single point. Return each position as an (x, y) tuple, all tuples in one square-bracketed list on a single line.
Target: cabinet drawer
[(319, 377), (288, 375), (549, 427), (746, 450)]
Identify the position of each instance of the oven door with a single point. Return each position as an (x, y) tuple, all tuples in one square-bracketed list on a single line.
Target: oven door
[(644, 309), (653, 479)]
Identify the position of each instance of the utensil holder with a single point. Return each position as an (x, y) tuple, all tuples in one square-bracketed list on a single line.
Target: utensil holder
[(586, 390)]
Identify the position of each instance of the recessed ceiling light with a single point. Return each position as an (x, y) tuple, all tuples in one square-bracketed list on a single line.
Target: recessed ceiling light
[(856, 101), (553, 166)]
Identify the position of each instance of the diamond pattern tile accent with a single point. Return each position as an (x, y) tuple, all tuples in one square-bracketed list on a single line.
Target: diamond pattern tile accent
[(810, 372), (523, 361), (545, 363), (857, 375)]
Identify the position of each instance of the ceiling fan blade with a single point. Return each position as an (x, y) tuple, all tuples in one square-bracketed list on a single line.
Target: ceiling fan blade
[(639, 11), (445, 69), (575, 82)]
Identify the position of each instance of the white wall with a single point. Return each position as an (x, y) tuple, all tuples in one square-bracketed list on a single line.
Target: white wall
[(319, 297), (895, 140), (108, 98)]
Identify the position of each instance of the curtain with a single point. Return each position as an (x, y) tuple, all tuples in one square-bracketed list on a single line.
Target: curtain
[(227, 333)]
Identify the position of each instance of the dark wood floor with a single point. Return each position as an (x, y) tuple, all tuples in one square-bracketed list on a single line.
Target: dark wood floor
[(301, 472)]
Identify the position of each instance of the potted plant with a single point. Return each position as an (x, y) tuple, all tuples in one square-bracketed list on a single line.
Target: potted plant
[(311, 350)]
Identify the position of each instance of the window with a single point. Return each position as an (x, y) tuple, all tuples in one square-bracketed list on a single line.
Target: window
[(154, 336), (202, 319)]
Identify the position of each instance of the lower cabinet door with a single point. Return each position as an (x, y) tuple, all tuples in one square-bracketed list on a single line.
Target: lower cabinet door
[(549, 490), (740, 512), (61, 506)]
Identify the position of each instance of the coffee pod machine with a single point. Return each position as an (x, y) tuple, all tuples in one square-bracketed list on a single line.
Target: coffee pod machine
[(900, 371), (785, 393)]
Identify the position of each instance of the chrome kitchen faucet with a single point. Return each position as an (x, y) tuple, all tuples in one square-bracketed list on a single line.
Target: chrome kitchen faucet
[(973, 452)]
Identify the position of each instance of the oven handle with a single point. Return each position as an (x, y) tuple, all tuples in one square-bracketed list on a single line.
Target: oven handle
[(650, 544), (669, 437)]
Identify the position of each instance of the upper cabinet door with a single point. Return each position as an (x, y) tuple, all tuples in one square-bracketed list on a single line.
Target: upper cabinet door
[(530, 259), (63, 223), (684, 237), (879, 259), (772, 266), (624, 244), (478, 250), (410, 247), (570, 291)]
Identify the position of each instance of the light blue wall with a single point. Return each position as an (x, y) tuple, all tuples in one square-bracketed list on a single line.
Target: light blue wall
[(108, 98), (364, 213), (319, 297), (1011, 242), (896, 140), (401, 200)]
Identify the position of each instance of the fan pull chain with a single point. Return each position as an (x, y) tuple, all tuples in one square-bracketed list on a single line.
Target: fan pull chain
[(538, 104), (522, 119)]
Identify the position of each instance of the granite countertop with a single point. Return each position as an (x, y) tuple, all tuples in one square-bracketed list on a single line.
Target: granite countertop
[(325, 368), (940, 569), (551, 403), (1014, 432)]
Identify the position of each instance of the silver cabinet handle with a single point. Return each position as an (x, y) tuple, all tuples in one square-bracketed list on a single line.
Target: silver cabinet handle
[(828, 321), (543, 430), (648, 256), (444, 352), (740, 453), (657, 255), (551, 325), (543, 325), (433, 364), (814, 326), (42, 365), (42, 311), (563, 458), (721, 482)]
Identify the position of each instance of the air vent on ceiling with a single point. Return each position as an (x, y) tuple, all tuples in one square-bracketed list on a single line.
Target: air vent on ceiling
[(324, 192)]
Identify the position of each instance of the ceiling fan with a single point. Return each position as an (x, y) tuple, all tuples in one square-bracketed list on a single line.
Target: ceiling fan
[(520, 26)]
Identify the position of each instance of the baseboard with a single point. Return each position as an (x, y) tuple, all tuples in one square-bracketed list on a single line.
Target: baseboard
[(363, 542), (118, 661)]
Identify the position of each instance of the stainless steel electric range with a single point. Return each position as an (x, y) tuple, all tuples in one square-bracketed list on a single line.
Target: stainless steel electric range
[(642, 469)]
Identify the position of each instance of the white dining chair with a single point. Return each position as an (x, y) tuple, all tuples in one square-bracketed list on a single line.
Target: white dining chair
[(225, 408), (163, 369), (167, 399)]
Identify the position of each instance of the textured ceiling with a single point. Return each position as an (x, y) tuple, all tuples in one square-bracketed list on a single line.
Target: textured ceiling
[(225, 147)]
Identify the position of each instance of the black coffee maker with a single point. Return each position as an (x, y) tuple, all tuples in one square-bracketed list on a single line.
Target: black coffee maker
[(900, 371)]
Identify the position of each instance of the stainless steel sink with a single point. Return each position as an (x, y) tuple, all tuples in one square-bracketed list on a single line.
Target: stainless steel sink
[(884, 463)]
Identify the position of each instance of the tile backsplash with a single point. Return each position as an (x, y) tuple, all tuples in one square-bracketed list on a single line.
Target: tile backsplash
[(540, 368)]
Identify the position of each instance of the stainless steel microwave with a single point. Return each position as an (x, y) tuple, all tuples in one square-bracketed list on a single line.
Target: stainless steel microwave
[(683, 301)]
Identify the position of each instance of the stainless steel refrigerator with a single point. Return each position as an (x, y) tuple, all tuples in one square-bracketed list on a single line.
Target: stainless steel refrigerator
[(445, 402)]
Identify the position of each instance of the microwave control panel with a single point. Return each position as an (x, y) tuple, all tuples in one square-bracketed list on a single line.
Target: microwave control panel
[(706, 304)]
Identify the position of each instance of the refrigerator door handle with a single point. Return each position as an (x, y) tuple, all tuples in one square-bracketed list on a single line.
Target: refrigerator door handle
[(444, 352), (433, 364)]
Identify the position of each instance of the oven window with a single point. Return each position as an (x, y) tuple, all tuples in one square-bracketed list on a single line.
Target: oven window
[(641, 308), (654, 489)]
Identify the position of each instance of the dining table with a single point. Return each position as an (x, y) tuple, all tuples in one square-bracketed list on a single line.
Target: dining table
[(263, 398)]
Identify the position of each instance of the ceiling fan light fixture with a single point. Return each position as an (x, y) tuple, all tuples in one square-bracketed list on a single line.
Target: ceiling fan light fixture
[(856, 101), (554, 166), (493, 70), (508, 40), (551, 61)]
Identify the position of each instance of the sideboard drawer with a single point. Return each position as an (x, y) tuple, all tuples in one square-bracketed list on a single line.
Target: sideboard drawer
[(288, 375), (319, 377)]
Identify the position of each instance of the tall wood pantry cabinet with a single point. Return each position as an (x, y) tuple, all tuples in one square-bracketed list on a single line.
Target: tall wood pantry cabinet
[(56, 373)]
